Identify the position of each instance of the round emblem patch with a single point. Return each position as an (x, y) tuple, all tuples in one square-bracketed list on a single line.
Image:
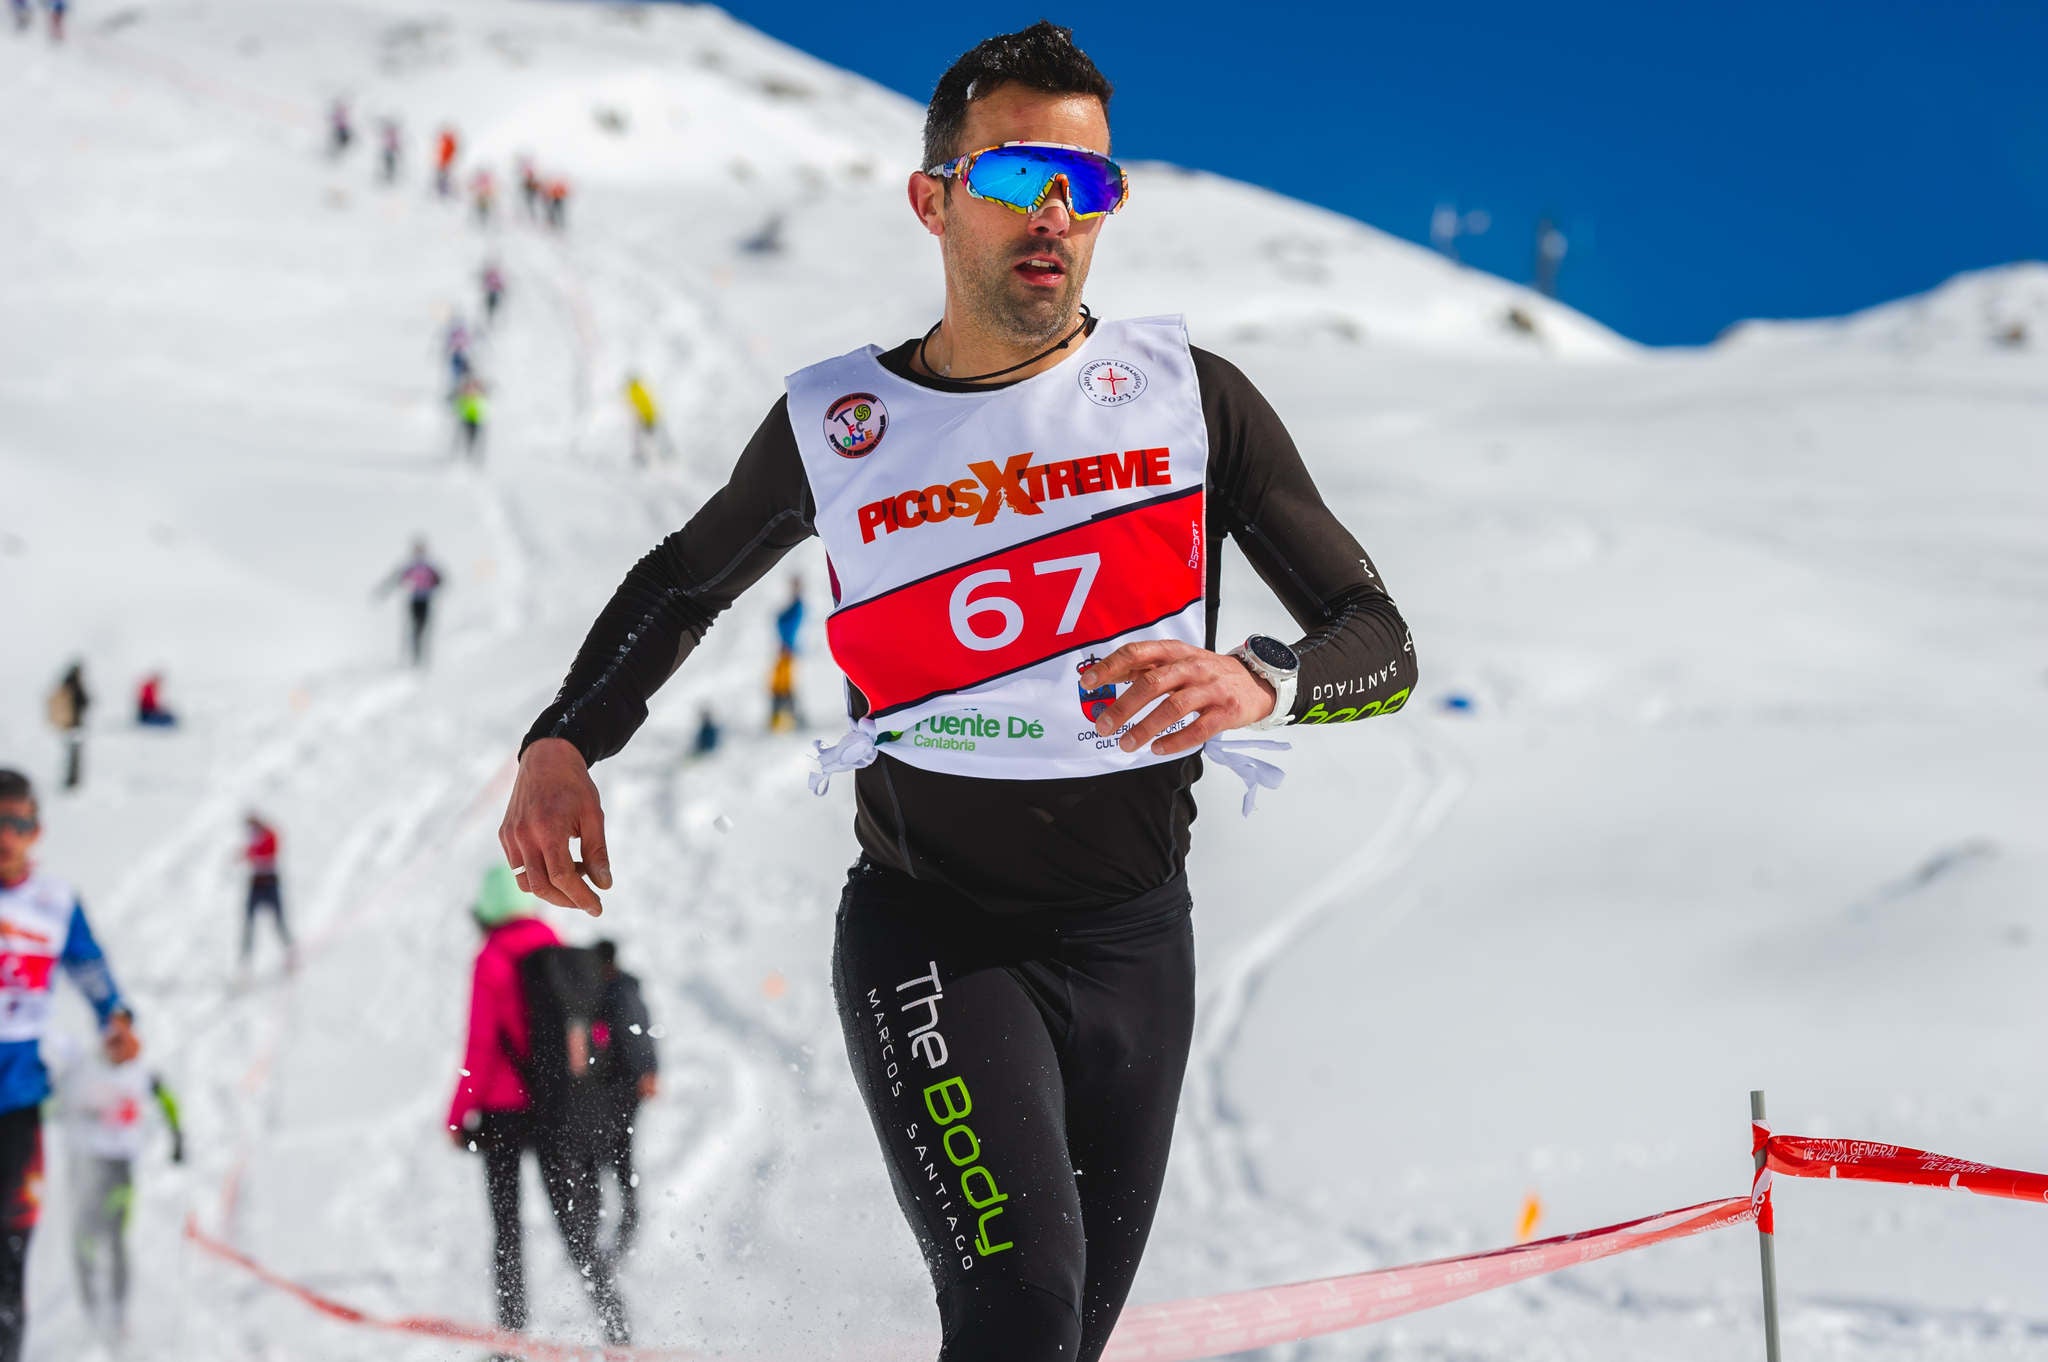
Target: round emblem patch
[(855, 424), (1111, 382)]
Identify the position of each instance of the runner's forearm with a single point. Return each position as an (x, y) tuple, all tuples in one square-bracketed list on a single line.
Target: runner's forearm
[(667, 602), (1355, 652)]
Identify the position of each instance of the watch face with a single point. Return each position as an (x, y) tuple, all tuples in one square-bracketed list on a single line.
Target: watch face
[(1273, 653)]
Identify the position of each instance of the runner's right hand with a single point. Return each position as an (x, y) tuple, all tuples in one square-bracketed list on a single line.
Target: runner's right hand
[(554, 800)]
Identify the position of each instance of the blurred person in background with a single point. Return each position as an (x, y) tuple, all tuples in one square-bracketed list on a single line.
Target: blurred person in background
[(67, 706), (341, 128), (647, 435), (530, 187), (421, 580), (627, 1071), (472, 412), (708, 734), (20, 11), (149, 703), (555, 193), (266, 889), (455, 341), (494, 1111), (42, 926), (783, 716), (445, 147), (483, 195), (104, 1101), (391, 146), (58, 9), (493, 281)]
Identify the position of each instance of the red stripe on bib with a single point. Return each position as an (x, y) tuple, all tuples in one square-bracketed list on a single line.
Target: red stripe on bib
[(969, 624)]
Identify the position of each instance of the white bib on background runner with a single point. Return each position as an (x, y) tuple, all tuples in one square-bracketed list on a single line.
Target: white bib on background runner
[(985, 547)]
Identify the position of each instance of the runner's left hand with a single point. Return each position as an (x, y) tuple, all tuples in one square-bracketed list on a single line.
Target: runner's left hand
[(1215, 686)]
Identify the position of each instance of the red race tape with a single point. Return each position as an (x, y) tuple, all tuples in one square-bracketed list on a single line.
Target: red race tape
[(1181, 1331), (1211, 1326), (500, 1340), (1801, 1156)]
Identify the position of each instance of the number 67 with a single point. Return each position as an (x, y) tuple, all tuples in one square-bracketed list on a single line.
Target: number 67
[(963, 607)]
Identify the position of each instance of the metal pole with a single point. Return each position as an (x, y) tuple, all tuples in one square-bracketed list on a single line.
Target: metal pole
[(1767, 1245)]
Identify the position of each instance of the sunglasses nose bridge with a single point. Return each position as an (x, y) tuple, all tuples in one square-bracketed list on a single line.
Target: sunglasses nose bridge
[(1057, 180)]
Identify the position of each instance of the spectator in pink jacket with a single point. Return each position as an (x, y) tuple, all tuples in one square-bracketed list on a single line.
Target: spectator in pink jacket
[(492, 1112)]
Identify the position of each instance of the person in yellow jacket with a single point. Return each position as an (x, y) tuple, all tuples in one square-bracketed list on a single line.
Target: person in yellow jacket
[(646, 418)]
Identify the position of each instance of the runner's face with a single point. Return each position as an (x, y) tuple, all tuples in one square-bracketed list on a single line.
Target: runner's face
[(986, 245), (15, 844)]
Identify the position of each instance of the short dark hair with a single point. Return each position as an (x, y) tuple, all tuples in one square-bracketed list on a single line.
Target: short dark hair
[(15, 786), (1042, 57), (607, 952)]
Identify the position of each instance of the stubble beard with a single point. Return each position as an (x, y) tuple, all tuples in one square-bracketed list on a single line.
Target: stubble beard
[(1037, 319)]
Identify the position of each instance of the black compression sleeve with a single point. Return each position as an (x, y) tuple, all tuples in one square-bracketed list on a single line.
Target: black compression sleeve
[(671, 596), (1356, 654)]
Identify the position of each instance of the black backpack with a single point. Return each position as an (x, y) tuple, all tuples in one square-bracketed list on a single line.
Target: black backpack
[(562, 987)]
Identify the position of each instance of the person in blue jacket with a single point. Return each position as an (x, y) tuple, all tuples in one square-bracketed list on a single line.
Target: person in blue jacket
[(42, 927)]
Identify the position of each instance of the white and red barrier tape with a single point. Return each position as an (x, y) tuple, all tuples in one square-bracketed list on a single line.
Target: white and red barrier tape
[(1210, 1326)]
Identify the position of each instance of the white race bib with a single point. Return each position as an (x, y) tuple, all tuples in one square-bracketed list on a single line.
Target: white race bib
[(986, 547)]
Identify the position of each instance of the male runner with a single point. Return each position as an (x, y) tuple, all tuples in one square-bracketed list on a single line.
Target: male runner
[(1023, 511)]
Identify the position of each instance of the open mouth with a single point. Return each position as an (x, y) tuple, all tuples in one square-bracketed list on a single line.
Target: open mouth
[(1045, 271)]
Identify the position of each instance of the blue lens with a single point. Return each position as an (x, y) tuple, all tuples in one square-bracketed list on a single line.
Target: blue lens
[(1019, 176)]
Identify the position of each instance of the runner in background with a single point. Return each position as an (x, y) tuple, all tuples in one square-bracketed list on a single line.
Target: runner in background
[(67, 707), (647, 436), (492, 1112), (483, 195), (22, 17), (627, 1070), (783, 716), (1014, 958), (493, 281), (472, 411), (390, 147), (530, 188), (341, 128), (421, 580), (555, 194), (445, 146), (455, 343), (150, 711), (104, 1103), (58, 9), (266, 890), (42, 926)]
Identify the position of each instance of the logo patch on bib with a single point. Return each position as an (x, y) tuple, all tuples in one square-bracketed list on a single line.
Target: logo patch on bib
[(1111, 382), (855, 424)]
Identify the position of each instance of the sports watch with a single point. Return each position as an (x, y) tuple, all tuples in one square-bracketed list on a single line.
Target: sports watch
[(1274, 663)]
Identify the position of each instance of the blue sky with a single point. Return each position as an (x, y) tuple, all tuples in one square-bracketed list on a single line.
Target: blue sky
[(1708, 162)]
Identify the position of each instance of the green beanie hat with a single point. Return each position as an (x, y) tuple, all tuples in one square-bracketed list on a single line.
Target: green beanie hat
[(500, 899)]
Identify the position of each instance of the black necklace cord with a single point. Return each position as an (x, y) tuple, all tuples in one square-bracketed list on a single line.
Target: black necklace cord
[(1079, 327)]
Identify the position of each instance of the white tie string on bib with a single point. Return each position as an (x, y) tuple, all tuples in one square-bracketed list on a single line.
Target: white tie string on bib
[(1232, 754), (850, 753), (857, 749)]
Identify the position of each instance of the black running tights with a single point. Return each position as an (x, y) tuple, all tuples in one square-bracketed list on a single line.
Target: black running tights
[(1022, 1073)]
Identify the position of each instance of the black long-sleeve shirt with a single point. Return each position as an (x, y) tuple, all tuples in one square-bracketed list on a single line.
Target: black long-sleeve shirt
[(1012, 845)]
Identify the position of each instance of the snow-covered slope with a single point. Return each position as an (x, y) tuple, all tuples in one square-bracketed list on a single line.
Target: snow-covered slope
[(1747, 792), (2003, 310)]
